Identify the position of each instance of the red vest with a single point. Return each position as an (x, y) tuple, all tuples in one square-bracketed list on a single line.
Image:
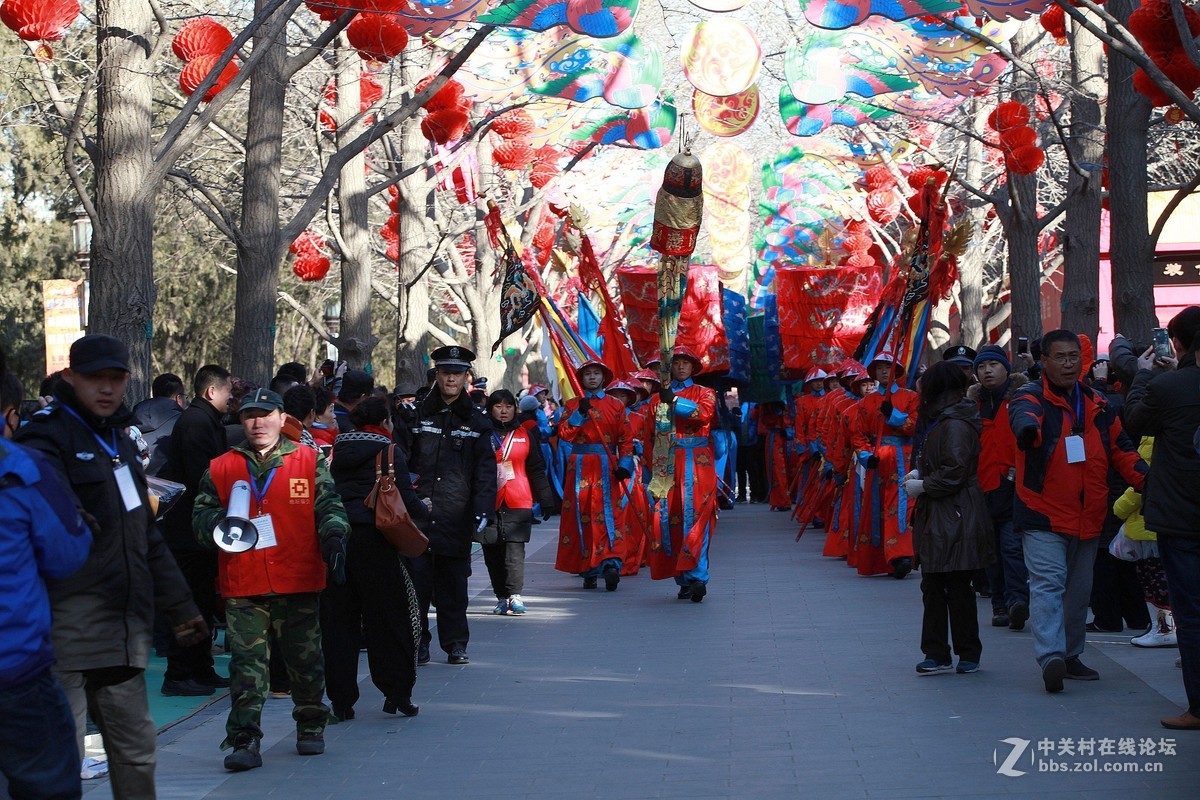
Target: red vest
[(292, 566), (514, 448)]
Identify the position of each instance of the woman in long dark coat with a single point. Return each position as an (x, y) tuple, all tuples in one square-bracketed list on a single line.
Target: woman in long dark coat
[(952, 531), (378, 597)]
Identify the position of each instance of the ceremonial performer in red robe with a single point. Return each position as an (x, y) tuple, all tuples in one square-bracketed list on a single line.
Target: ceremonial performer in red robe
[(838, 459), (684, 521), (590, 542), (805, 438), (632, 503), (882, 438), (773, 422)]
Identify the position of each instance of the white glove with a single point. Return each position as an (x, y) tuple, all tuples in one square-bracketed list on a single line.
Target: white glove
[(428, 503), (914, 487), (912, 476)]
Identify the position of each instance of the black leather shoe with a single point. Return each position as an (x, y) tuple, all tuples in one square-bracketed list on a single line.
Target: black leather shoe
[(612, 577), (245, 754), (403, 705), (310, 744), (186, 688), (901, 567), (698, 592), (1017, 614), (1053, 674), (589, 582), (423, 654), (214, 680), (1078, 671), (685, 592), (458, 656), (344, 713), (1001, 619)]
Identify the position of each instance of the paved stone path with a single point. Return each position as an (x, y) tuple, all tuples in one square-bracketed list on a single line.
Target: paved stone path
[(794, 678)]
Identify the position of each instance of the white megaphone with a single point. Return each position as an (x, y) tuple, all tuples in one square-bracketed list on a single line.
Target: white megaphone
[(236, 533)]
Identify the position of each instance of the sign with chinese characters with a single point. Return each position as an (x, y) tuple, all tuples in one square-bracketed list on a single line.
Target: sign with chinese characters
[(1177, 269), (60, 304)]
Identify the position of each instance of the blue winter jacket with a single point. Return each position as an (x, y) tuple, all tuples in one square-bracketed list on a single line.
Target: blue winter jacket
[(41, 536)]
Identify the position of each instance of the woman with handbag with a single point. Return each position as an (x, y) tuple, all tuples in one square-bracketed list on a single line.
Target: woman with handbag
[(378, 597), (520, 473)]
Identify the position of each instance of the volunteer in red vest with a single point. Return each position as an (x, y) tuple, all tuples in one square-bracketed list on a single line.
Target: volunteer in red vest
[(684, 521), (273, 586), (591, 543)]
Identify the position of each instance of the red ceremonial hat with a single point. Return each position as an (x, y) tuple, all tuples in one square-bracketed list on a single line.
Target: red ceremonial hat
[(647, 375), (886, 357), (536, 389), (815, 374), (680, 351), (608, 373)]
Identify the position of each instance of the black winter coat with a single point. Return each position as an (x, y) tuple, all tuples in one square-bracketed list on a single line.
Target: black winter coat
[(104, 613), (353, 471), (516, 524), (449, 448), (952, 529), (156, 419), (1167, 407), (199, 437)]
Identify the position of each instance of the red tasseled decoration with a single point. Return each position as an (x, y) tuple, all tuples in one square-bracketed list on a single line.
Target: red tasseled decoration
[(514, 155), (376, 36), (942, 278), (45, 20), (879, 178), (515, 124), (195, 71), (1088, 353), (200, 36), (1008, 114), (1014, 138), (1141, 81), (444, 126), (1054, 20), (1025, 160)]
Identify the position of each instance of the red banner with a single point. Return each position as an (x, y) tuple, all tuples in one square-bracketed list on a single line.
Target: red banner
[(701, 326), (823, 312)]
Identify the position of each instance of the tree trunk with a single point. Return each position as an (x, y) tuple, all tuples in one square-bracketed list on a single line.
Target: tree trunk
[(1131, 252), (123, 291), (356, 340), (970, 266), (258, 250), (1021, 220), (1081, 230)]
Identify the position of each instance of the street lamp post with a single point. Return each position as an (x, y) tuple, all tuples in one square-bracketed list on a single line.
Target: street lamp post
[(333, 323), (81, 236)]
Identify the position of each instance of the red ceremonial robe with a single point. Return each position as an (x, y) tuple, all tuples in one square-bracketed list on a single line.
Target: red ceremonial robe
[(633, 505), (773, 421), (838, 541), (588, 531)]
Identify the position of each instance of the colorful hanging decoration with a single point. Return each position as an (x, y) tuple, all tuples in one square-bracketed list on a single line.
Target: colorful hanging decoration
[(311, 263), (644, 128), (200, 36), (596, 18), (513, 155), (1018, 141), (445, 125), (377, 36), (726, 116), (721, 57), (1006, 9), (837, 14), (728, 170), (39, 20), (700, 321), (436, 17)]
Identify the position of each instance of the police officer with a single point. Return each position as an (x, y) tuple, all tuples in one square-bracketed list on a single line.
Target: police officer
[(447, 444), (274, 586)]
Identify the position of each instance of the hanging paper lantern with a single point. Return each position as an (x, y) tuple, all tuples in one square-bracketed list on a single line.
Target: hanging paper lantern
[(1026, 160), (879, 177), (541, 174), (726, 116), (449, 96), (920, 175), (444, 126), (546, 154), (1174, 115), (39, 20), (1153, 92), (200, 36), (1008, 114), (369, 91), (514, 155), (1015, 138), (721, 57), (515, 124), (307, 242), (309, 267), (883, 205), (1054, 20), (195, 71), (376, 36), (1182, 72), (328, 10)]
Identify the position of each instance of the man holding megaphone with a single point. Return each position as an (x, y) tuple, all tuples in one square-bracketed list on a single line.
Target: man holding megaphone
[(274, 552)]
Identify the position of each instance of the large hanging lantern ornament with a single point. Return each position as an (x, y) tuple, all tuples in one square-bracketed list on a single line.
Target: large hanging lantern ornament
[(726, 116), (39, 20), (445, 126), (1154, 26), (721, 57), (1018, 141), (1054, 21), (311, 263), (450, 96), (200, 36), (514, 155), (377, 36), (512, 125), (195, 71)]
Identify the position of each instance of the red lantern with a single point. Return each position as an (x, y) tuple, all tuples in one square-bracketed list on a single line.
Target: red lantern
[(879, 177), (514, 155), (1021, 136), (45, 20), (1141, 81), (547, 154), (450, 96), (376, 36), (1054, 20), (200, 36), (515, 124), (541, 174), (883, 205), (444, 126), (310, 267), (308, 242), (1182, 72), (1025, 160), (328, 10), (195, 71), (1009, 114), (922, 174)]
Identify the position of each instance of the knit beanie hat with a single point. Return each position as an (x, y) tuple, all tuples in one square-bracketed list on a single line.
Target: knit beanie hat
[(992, 352)]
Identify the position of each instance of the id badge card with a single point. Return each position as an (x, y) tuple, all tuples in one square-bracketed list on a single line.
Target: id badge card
[(1075, 451), (129, 492), (266, 532), (506, 468)]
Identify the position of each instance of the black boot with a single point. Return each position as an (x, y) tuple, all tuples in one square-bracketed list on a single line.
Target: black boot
[(403, 705), (901, 567), (245, 754)]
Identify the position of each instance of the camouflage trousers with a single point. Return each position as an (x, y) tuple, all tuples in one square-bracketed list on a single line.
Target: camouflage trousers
[(294, 620)]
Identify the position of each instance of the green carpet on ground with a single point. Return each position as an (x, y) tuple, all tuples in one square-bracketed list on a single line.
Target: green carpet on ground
[(168, 710)]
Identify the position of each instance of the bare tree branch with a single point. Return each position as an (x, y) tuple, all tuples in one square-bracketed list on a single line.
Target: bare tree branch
[(1179, 197)]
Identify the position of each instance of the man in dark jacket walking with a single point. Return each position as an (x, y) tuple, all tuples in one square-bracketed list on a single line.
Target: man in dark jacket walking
[(156, 418), (1167, 407), (447, 443), (104, 613), (198, 438)]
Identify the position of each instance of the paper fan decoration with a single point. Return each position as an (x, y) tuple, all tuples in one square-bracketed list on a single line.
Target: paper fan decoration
[(726, 116), (721, 57)]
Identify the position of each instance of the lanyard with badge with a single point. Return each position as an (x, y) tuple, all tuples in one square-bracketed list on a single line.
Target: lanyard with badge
[(1074, 443), (262, 521), (130, 497), (503, 449)]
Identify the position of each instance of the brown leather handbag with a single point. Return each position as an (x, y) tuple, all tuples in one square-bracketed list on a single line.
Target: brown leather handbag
[(391, 515)]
